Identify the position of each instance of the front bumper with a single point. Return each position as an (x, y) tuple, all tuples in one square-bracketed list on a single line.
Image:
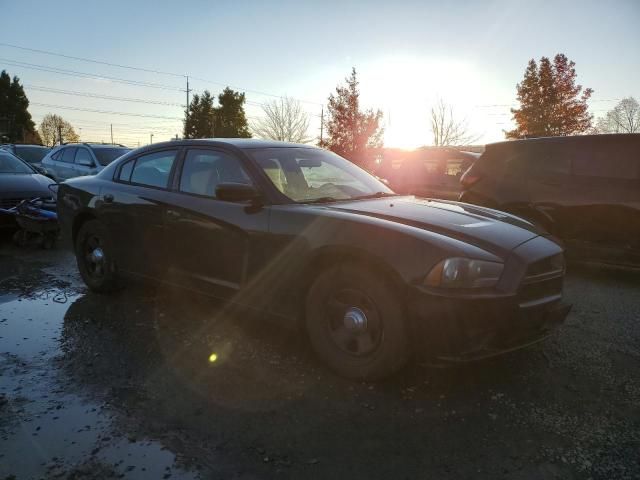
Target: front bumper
[(470, 328)]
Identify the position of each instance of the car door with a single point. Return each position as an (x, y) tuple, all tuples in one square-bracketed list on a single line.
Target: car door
[(133, 207), (63, 161), (550, 187), (607, 185), (84, 163), (215, 246)]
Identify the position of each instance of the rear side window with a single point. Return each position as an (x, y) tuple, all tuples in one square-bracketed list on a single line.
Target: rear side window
[(125, 171), (153, 169), (68, 155), (57, 156), (549, 163), (612, 163)]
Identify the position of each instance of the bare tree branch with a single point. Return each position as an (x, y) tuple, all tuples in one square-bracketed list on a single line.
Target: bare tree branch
[(624, 118), (447, 129), (283, 120)]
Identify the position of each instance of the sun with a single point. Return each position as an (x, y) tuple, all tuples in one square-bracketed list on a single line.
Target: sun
[(405, 88)]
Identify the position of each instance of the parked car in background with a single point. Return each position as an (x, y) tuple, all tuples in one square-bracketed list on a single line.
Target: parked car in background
[(19, 181), (583, 189), (426, 172), (29, 153), (79, 159), (378, 277)]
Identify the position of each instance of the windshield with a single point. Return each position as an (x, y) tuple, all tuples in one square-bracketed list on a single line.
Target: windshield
[(107, 155), (310, 174), (12, 164), (31, 154)]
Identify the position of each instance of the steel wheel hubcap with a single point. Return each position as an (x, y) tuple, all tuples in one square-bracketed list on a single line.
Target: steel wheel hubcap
[(355, 320)]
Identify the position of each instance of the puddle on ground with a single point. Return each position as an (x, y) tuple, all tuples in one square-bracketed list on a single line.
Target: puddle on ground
[(46, 429)]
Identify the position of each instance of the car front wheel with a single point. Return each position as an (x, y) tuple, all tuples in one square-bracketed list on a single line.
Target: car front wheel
[(355, 322), (94, 255)]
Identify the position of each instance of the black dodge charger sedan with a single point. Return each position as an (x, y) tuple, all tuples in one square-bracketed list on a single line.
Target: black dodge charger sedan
[(373, 277)]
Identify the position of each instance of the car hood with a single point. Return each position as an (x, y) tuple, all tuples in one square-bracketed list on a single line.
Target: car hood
[(24, 184), (488, 229)]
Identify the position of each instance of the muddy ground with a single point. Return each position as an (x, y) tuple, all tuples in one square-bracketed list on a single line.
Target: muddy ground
[(155, 383)]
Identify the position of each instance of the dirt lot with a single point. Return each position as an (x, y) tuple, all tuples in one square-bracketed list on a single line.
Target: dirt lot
[(163, 384)]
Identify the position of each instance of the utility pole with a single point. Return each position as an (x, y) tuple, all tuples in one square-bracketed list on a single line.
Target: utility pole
[(151, 139), (60, 134), (186, 115), (321, 122), (112, 134)]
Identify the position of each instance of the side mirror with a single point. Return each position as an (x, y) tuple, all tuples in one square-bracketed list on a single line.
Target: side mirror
[(236, 192), (45, 172)]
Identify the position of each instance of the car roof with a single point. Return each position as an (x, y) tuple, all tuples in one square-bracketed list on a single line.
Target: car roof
[(608, 137), (242, 143)]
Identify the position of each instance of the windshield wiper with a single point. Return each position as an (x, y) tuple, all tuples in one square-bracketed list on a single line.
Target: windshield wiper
[(376, 195), (321, 200)]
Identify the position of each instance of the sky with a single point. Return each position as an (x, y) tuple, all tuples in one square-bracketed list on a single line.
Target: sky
[(408, 55)]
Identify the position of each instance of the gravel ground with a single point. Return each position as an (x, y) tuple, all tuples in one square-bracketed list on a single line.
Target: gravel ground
[(159, 383)]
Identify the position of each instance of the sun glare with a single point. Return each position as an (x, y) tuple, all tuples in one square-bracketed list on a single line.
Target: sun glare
[(405, 88)]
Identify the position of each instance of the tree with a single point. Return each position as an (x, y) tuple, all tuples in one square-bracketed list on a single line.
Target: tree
[(350, 132), (283, 120), (53, 127), (447, 129), (14, 113), (551, 104), (199, 117), (624, 118), (230, 120)]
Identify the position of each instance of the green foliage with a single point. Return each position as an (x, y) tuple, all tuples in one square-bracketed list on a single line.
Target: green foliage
[(16, 125), (551, 104), (199, 117), (228, 120), (351, 132)]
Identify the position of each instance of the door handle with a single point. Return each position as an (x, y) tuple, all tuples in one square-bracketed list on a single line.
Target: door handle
[(108, 198)]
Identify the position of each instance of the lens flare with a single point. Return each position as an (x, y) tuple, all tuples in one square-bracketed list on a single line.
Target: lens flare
[(213, 358)]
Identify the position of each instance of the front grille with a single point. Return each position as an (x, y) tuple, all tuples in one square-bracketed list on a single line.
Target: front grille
[(547, 265), (10, 202), (531, 292)]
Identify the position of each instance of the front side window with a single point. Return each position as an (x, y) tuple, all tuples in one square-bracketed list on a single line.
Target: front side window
[(153, 169), (107, 155), (203, 170), (309, 174), (83, 157)]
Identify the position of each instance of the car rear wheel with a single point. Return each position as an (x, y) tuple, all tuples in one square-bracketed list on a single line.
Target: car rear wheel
[(356, 324), (94, 254)]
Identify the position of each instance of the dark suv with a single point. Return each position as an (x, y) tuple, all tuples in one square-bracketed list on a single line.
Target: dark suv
[(583, 189)]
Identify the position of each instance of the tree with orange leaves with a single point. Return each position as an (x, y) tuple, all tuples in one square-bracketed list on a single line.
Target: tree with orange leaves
[(551, 104)]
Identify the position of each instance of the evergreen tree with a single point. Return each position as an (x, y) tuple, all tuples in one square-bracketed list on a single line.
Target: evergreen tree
[(16, 124), (230, 117), (199, 119), (350, 132), (551, 104)]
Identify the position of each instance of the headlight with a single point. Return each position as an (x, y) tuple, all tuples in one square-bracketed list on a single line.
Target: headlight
[(464, 273)]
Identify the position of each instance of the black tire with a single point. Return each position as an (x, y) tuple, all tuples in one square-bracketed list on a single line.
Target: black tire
[(376, 351), (100, 276)]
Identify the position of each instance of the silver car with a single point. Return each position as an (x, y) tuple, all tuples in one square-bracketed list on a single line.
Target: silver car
[(78, 159)]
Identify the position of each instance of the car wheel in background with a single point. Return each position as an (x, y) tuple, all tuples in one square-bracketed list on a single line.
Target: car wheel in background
[(95, 258), (355, 322)]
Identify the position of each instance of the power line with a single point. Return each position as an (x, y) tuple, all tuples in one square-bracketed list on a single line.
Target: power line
[(64, 107), (99, 62), (106, 97), (74, 73)]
